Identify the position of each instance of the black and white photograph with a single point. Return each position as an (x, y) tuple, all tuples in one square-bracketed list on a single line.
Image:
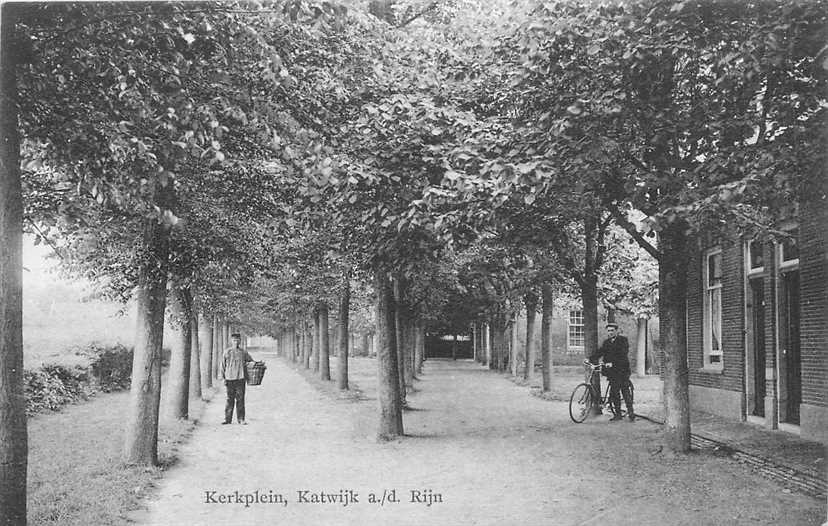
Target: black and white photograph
[(414, 263)]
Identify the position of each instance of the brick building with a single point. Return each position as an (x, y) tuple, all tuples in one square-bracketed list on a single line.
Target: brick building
[(567, 336), (756, 327)]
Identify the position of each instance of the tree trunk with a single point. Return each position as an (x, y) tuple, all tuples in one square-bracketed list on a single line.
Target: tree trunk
[(499, 342), (487, 340), (481, 341), (548, 300), (14, 449), (141, 438), (512, 337), (205, 341), (474, 342), (365, 343), (218, 349), (307, 342), (589, 298), (399, 306), (296, 339), (390, 423), (315, 339), (672, 311), (195, 357), (418, 347), (422, 349), (411, 364), (531, 303), (302, 350), (179, 373), (344, 313), (324, 343), (334, 332)]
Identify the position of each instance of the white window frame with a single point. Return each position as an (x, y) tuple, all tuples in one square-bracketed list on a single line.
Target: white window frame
[(578, 314), (713, 358)]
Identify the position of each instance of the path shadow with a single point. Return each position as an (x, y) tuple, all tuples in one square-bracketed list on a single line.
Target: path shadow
[(413, 409), (428, 436)]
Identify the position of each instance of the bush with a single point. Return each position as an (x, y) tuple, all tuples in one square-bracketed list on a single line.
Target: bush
[(75, 379), (52, 386), (111, 366)]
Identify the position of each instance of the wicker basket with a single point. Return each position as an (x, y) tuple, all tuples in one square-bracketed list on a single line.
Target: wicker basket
[(255, 372)]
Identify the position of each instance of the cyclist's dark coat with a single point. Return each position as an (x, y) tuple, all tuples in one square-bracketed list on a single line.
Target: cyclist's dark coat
[(616, 351)]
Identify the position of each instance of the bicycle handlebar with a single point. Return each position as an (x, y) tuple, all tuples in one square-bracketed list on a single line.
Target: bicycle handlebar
[(597, 366)]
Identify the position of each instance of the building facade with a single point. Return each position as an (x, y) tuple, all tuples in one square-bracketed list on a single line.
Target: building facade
[(567, 336), (756, 327)]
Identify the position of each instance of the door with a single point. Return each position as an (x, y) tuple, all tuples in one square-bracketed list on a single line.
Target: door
[(758, 348), (789, 345)]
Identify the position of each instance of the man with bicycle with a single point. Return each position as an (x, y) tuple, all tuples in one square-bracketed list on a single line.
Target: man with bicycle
[(614, 352)]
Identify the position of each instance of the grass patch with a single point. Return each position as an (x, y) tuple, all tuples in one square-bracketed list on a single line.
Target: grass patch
[(76, 476)]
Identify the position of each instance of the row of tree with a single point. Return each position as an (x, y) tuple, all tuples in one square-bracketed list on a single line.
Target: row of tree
[(265, 163)]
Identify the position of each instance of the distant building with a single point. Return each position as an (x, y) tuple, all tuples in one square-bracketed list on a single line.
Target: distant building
[(567, 336), (456, 346)]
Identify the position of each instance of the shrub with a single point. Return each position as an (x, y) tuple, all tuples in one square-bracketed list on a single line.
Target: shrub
[(75, 379), (111, 366), (46, 391), (51, 386)]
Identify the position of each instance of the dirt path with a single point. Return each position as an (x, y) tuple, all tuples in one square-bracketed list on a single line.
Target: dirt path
[(494, 454)]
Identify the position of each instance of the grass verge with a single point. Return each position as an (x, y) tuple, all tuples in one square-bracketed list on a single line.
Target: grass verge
[(76, 476)]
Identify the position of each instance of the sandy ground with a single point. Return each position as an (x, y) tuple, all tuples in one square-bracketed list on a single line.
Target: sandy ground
[(494, 454)]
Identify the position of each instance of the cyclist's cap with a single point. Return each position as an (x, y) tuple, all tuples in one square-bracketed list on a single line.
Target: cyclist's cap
[(612, 325)]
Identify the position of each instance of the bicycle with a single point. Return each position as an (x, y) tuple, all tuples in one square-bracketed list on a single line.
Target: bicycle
[(584, 397)]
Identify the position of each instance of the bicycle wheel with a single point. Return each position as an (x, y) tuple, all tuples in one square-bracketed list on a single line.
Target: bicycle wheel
[(580, 403)]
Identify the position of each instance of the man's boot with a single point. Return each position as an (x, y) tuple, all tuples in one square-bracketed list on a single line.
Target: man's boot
[(617, 410), (630, 414)]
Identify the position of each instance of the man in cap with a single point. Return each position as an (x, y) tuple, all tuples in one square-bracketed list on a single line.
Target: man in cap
[(615, 351), (232, 371)]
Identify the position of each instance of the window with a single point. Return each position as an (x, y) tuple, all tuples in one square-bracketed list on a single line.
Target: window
[(789, 250), (575, 337), (756, 256), (713, 308)]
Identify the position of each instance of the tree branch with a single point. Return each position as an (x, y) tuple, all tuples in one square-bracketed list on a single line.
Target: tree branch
[(601, 247), (46, 239), (425, 10), (624, 223)]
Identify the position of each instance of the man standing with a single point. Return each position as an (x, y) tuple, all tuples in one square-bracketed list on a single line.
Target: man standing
[(615, 351), (232, 370)]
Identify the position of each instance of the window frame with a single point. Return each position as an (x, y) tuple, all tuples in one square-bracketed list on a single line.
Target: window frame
[(578, 314), (712, 358), (787, 264)]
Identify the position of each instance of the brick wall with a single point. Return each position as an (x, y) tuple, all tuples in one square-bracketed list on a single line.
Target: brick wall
[(814, 301), (730, 377)]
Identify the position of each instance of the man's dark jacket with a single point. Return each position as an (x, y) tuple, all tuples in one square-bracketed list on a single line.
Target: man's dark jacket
[(616, 351)]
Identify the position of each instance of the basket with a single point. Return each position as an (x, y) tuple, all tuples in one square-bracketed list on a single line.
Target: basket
[(255, 372)]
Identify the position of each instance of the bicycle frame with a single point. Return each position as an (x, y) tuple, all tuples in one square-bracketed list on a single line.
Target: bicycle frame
[(585, 396)]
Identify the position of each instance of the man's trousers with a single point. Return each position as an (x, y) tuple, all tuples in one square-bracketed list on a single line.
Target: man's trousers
[(235, 396)]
